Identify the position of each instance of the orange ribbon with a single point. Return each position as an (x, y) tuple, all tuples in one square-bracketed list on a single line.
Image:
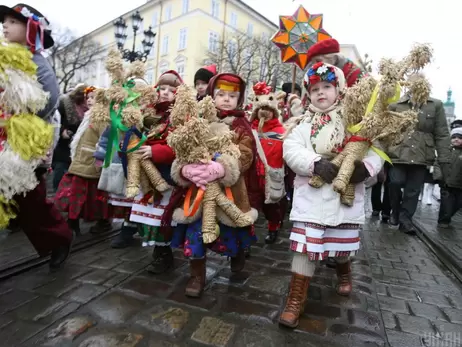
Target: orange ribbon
[(188, 211)]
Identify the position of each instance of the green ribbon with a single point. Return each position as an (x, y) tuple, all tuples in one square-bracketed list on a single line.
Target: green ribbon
[(116, 122)]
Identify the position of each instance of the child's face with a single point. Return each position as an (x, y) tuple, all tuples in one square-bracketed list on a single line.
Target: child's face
[(201, 87), (166, 93), (226, 101), (323, 95), (456, 140), (90, 99), (14, 30)]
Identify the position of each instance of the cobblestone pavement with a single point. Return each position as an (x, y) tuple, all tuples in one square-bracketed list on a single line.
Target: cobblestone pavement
[(105, 297), (450, 240)]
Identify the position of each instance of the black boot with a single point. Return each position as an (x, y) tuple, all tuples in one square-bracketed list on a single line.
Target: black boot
[(407, 227), (238, 262), (125, 238), (59, 255), (162, 260), (271, 237), (74, 224)]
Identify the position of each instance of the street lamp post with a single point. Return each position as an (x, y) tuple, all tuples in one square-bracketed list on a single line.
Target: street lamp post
[(121, 36)]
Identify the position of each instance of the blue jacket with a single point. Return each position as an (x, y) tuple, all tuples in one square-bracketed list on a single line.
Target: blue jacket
[(47, 78)]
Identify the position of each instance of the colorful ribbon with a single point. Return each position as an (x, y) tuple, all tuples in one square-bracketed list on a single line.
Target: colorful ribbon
[(116, 123), (128, 147), (354, 129)]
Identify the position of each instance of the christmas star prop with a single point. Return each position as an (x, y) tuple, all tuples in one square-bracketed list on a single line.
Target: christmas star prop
[(297, 33)]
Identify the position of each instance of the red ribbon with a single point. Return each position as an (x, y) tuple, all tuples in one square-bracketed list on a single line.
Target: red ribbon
[(261, 88), (355, 138)]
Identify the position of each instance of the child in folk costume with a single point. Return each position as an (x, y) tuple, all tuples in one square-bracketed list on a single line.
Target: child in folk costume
[(228, 92), (323, 226), (202, 78), (78, 194), (148, 208), (38, 217), (268, 131)]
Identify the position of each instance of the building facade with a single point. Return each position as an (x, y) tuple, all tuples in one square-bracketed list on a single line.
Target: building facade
[(186, 30)]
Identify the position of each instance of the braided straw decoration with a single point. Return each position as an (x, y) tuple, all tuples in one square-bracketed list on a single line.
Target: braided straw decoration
[(145, 184), (154, 176), (133, 175), (214, 197), (353, 151), (347, 197)]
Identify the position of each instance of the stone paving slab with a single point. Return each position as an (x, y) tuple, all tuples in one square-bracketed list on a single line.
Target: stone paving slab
[(446, 243), (420, 300), (105, 297)]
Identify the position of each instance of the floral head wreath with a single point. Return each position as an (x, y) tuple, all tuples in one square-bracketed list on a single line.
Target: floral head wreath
[(88, 90), (320, 72)]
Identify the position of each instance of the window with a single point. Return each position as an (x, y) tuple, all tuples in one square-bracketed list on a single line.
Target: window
[(232, 50), (155, 19), (150, 75), (152, 53), (233, 20), (163, 67), (164, 50), (216, 8), (180, 69), (213, 42), (250, 29), (185, 6), (168, 12), (182, 40)]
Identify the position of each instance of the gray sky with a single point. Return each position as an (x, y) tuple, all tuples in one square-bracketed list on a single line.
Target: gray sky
[(388, 29)]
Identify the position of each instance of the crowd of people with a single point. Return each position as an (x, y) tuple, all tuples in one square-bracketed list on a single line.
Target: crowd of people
[(282, 139)]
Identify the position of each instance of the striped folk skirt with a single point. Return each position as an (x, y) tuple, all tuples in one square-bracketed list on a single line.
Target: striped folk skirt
[(149, 210), (320, 241)]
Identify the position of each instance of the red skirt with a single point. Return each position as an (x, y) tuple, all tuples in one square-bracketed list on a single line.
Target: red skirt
[(80, 198)]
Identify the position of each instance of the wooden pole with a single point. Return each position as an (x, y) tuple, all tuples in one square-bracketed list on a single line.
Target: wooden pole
[(294, 76)]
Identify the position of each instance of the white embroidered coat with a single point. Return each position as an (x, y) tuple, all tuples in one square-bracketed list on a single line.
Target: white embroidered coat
[(321, 205)]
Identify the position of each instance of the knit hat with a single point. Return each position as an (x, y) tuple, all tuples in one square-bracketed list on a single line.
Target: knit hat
[(263, 96), (456, 124), (170, 78), (38, 31), (227, 82), (323, 47), (456, 131), (324, 72), (287, 88), (205, 73)]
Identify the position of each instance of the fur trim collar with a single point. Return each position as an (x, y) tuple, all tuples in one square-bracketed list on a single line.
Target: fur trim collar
[(70, 110)]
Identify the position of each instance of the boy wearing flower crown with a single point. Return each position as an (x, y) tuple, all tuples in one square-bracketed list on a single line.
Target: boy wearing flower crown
[(38, 218), (323, 227)]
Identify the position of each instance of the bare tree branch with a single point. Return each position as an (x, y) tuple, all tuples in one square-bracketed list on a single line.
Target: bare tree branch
[(255, 59), (70, 55)]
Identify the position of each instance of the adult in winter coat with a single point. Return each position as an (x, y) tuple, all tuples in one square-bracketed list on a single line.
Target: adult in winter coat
[(72, 108), (411, 158)]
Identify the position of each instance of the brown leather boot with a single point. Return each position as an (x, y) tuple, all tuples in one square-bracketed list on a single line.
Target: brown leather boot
[(344, 285), (296, 300), (196, 282), (238, 262)]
